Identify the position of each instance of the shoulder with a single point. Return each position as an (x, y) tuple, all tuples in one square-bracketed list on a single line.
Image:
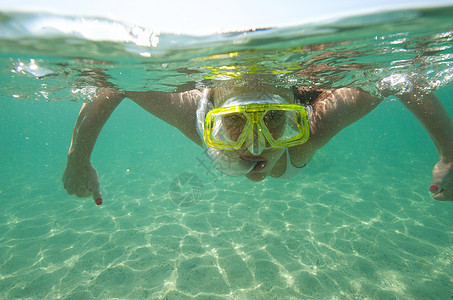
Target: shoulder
[(343, 100), (314, 97), (336, 109)]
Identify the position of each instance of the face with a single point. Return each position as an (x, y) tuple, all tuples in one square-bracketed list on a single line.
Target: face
[(266, 157), (264, 160), (264, 163)]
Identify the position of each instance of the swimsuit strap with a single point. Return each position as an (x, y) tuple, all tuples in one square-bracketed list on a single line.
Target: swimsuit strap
[(291, 170)]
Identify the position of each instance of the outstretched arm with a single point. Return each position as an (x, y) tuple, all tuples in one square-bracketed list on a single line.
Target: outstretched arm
[(339, 108), (80, 177), (176, 109), (431, 113), (335, 110)]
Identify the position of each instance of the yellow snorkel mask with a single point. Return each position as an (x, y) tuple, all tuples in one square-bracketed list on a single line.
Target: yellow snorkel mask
[(253, 122)]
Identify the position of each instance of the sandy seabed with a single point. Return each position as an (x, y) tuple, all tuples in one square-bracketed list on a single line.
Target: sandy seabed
[(338, 233)]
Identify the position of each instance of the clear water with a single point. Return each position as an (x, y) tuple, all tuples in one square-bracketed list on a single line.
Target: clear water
[(357, 223)]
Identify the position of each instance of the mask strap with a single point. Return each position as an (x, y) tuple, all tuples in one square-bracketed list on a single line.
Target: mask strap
[(203, 107)]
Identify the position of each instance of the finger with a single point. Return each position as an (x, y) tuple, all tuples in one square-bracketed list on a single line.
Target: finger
[(82, 193), (69, 188), (443, 196), (439, 196), (435, 189), (436, 192), (439, 193), (97, 195)]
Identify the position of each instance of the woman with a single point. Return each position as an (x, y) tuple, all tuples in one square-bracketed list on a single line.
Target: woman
[(245, 147)]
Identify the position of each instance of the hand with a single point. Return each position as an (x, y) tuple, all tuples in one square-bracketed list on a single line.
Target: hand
[(442, 187), (82, 180)]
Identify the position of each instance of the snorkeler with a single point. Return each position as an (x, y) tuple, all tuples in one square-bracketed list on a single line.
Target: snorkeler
[(255, 130)]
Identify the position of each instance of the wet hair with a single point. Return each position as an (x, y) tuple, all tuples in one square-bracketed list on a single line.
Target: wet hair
[(306, 96), (302, 95)]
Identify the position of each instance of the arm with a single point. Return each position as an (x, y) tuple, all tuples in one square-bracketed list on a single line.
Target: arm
[(176, 109), (334, 110), (80, 177), (431, 113), (340, 108)]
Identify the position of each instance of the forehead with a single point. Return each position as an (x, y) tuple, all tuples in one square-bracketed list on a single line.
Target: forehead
[(251, 94), (254, 99)]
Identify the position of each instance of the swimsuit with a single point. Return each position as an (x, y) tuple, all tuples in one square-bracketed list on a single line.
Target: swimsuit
[(291, 170)]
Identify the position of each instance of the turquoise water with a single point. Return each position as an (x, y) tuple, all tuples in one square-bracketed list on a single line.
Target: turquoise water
[(357, 223)]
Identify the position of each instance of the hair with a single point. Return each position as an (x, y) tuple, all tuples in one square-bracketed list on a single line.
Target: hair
[(305, 96)]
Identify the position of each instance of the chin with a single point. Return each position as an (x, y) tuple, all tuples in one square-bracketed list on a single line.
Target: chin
[(255, 176)]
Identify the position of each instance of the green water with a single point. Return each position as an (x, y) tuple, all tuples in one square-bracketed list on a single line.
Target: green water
[(357, 223)]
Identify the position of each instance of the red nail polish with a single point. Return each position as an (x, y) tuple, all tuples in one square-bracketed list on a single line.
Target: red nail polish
[(98, 201), (434, 187)]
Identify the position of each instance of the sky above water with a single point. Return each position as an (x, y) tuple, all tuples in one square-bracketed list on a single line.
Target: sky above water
[(200, 17)]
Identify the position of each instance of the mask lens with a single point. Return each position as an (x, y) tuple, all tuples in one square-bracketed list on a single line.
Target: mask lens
[(285, 127), (275, 120), (293, 126), (226, 131), (233, 126)]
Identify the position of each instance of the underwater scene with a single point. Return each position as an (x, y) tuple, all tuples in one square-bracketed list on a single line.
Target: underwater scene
[(358, 222)]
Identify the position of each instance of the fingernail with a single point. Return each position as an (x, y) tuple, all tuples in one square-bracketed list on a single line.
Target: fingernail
[(98, 201), (434, 188)]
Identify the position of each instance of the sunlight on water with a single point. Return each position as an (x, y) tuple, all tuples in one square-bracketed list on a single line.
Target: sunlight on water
[(358, 223)]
